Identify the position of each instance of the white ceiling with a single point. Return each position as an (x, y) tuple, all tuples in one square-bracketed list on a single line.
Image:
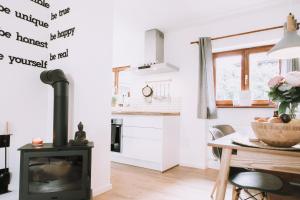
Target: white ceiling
[(173, 14)]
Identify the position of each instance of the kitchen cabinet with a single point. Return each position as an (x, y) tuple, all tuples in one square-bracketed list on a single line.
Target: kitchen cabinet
[(149, 141)]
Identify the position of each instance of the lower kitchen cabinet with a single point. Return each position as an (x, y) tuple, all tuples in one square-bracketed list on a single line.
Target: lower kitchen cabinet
[(149, 141)]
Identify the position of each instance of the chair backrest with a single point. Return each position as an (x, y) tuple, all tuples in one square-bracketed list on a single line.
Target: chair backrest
[(216, 133), (219, 131), (225, 128)]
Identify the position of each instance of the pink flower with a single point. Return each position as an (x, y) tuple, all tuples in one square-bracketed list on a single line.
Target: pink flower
[(275, 81), (293, 78), (285, 87)]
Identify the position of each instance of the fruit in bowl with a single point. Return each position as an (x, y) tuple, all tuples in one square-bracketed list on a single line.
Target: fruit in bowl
[(285, 118), (275, 120), (261, 119)]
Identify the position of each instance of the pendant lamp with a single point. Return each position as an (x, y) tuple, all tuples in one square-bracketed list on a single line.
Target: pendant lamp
[(289, 46)]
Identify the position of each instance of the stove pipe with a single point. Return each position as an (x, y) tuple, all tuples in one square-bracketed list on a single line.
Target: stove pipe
[(57, 79)]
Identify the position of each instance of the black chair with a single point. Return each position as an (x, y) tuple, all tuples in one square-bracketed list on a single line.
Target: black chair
[(245, 179)]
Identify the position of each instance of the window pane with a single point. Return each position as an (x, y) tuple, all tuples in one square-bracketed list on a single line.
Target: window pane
[(228, 77), (262, 69)]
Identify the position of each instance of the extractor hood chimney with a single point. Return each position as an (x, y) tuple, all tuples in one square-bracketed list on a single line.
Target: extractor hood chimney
[(154, 54)]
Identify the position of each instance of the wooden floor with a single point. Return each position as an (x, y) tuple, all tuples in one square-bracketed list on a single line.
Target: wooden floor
[(180, 183)]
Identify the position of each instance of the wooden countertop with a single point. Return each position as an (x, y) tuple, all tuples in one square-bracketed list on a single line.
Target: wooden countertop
[(148, 113)]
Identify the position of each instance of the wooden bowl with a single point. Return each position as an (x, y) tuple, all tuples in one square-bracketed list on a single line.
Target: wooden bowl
[(277, 134)]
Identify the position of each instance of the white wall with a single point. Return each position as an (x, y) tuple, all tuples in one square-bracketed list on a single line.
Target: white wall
[(27, 103), (23, 96), (128, 43), (89, 68), (179, 51)]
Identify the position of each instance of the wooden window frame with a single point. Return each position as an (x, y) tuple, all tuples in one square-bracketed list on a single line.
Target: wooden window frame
[(117, 71), (245, 74)]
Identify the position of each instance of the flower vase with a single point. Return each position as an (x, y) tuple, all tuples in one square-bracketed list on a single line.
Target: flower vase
[(293, 110), (288, 108)]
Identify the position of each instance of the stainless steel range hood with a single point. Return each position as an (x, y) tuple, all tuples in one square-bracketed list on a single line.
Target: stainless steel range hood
[(154, 55)]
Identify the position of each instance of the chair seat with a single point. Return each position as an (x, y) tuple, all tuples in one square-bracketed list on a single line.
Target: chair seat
[(257, 180)]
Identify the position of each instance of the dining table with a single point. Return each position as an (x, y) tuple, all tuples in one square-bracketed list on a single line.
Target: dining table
[(246, 156)]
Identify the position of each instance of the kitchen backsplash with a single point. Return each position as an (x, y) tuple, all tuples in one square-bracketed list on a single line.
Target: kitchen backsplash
[(140, 104), (166, 92)]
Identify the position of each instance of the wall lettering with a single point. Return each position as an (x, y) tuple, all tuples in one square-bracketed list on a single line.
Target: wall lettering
[(24, 61), (52, 57), (60, 13), (52, 37), (31, 41), (62, 34), (5, 34), (64, 11), (29, 18), (42, 3), (66, 33), (53, 16), (4, 9), (61, 55)]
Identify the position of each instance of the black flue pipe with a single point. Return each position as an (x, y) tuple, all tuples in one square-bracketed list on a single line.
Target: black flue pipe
[(57, 79)]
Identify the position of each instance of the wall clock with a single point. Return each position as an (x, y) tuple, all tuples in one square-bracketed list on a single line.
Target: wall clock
[(147, 91)]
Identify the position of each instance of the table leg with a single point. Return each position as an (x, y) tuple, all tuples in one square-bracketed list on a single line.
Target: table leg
[(214, 189), (235, 193), (223, 173)]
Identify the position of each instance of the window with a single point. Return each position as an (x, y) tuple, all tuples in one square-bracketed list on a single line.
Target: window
[(243, 70), (228, 76), (116, 77), (261, 70)]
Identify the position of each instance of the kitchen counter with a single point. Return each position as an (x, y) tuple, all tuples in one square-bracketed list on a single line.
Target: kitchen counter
[(147, 113)]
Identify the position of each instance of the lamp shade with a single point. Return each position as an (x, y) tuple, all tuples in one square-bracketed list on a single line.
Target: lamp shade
[(288, 47)]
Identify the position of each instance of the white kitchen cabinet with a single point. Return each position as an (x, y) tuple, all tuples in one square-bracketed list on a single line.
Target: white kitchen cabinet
[(149, 141)]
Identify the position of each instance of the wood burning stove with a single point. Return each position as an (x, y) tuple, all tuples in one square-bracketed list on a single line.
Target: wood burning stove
[(60, 173), (57, 171), (57, 79)]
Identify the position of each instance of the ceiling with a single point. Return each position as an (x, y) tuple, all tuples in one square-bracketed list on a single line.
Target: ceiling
[(174, 14)]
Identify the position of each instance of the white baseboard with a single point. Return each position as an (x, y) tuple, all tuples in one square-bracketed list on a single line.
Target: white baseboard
[(118, 158), (101, 190), (213, 164)]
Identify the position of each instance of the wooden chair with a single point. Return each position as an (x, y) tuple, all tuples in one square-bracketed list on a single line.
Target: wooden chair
[(218, 131), (245, 179)]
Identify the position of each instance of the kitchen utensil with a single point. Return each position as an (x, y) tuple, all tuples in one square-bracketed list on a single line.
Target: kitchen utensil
[(147, 91)]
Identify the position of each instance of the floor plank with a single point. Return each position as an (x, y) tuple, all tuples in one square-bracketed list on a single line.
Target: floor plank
[(180, 183)]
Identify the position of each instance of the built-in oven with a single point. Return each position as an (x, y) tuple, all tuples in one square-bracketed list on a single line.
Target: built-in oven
[(116, 135)]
